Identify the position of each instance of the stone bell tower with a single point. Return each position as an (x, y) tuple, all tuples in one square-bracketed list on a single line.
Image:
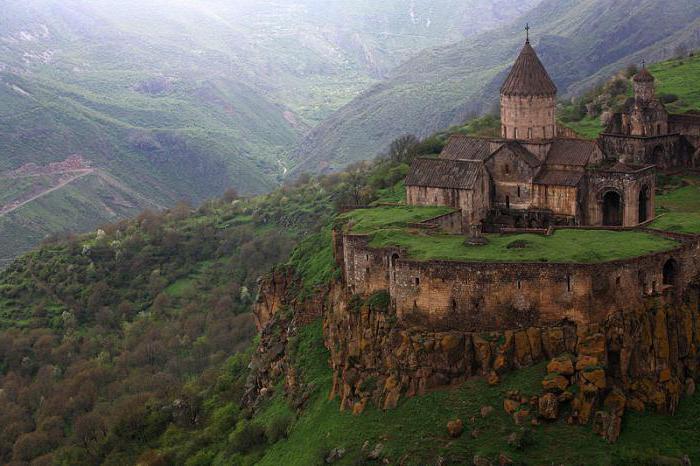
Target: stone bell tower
[(528, 99), (643, 83)]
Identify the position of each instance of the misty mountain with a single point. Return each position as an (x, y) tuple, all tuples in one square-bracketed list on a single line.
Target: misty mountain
[(178, 99), (579, 42)]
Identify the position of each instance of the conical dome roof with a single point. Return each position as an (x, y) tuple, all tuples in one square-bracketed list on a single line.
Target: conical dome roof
[(644, 76), (528, 77)]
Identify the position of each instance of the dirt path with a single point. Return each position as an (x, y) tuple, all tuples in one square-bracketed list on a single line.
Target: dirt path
[(12, 207)]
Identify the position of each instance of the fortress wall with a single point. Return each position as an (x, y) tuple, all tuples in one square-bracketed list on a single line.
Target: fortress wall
[(445, 295)]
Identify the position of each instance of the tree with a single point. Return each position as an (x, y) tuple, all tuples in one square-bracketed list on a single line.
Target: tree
[(403, 149)]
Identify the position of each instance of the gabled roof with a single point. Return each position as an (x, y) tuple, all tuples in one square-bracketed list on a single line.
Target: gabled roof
[(520, 152), (576, 152), (461, 147), (528, 77), (444, 173), (549, 176)]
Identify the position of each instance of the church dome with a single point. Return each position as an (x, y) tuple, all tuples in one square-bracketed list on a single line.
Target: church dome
[(528, 77), (644, 76)]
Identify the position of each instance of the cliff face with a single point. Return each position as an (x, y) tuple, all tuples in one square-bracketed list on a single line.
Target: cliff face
[(638, 359), (641, 359)]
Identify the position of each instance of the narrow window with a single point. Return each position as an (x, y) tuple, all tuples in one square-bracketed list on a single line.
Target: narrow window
[(520, 285), (518, 191), (506, 169), (507, 202), (417, 281), (454, 305), (568, 282), (617, 281), (544, 131), (367, 271), (515, 133), (529, 133)]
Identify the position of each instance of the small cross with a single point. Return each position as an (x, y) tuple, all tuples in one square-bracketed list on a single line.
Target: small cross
[(644, 63), (527, 32)]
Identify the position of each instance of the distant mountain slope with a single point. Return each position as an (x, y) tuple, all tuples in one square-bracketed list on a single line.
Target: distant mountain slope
[(575, 39), (181, 99)]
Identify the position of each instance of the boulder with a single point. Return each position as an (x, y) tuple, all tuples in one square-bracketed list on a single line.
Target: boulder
[(561, 365), (584, 362), (555, 383), (521, 417), (486, 410), (455, 428), (553, 341), (689, 387), (481, 461), (615, 402), (534, 335), (376, 452), (504, 460), (335, 455), (594, 376), (510, 406), (548, 406), (493, 379), (607, 425), (592, 345), (523, 353)]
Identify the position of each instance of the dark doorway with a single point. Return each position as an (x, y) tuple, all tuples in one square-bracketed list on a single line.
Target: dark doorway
[(643, 205), (507, 202), (612, 209), (670, 272)]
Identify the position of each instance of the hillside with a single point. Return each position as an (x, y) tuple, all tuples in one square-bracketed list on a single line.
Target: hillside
[(182, 100), (445, 86), (140, 343), (676, 86)]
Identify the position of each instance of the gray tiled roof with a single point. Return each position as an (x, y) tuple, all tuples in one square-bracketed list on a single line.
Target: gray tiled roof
[(576, 152), (461, 147), (444, 173)]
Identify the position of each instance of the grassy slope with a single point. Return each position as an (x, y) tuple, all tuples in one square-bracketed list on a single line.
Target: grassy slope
[(679, 209), (677, 77), (416, 430)]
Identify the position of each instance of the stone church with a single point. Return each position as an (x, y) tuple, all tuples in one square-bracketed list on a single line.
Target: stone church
[(534, 177)]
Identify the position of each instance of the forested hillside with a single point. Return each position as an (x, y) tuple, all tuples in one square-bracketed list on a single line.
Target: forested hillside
[(579, 42)]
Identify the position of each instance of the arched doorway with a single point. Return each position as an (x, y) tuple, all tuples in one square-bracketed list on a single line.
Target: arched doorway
[(670, 272), (612, 209), (643, 204)]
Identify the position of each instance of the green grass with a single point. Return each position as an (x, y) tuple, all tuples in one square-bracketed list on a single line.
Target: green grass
[(368, 220), (416, 430), (588, 128), (680, 209), (566, 246), (313, 260), (679, 77)]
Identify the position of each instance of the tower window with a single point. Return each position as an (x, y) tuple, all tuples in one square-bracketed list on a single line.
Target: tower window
[(568, 282), (520, 285), (518, 191), (417, 281), (506, 169), (515, 133), (529, 133)]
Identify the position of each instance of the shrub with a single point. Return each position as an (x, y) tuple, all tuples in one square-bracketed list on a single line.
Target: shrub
[(668, 98), (278, 428), (249, 436)]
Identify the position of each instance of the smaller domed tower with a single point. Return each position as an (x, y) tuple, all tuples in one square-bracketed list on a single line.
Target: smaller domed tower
[(643, 83), (528, 99)]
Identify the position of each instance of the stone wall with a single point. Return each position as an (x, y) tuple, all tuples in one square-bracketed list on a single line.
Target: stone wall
[(528, 117), (491, 296), (561, 200), (473, 204), (662, 151)]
